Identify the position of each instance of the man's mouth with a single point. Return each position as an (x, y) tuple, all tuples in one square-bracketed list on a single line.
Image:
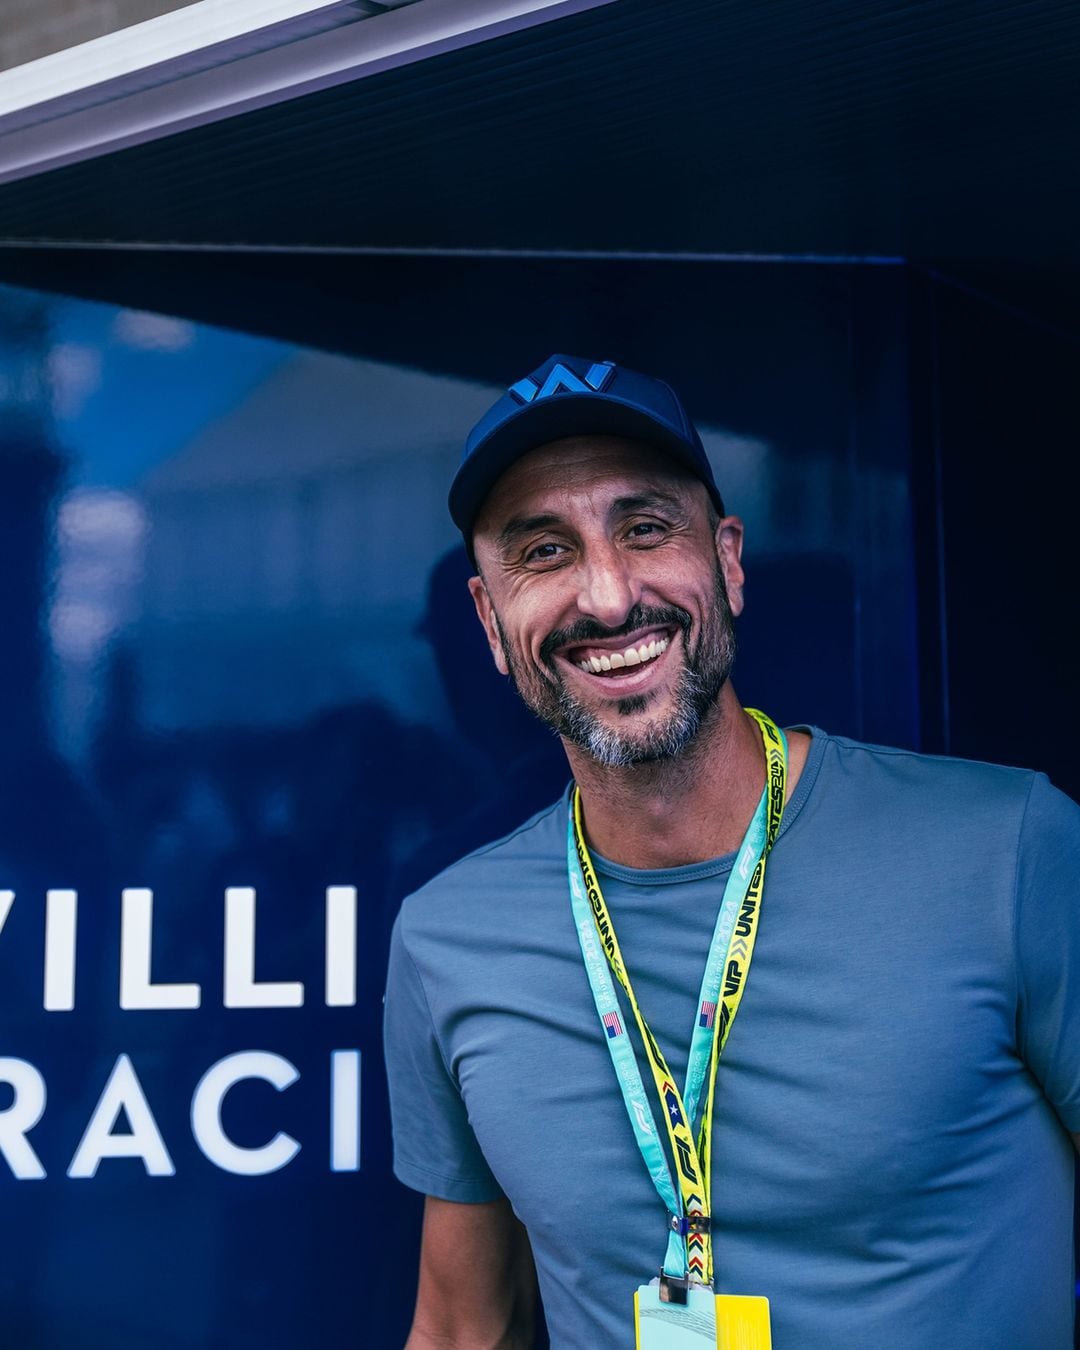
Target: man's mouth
[(603, 658)]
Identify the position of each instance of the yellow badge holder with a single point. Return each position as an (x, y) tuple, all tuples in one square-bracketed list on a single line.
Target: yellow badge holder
[(707, 1321)]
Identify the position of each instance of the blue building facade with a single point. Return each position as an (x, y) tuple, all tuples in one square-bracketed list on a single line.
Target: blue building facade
[(247, 708)]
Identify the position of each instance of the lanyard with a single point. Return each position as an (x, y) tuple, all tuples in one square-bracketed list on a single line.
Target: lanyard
[(689, 1250)]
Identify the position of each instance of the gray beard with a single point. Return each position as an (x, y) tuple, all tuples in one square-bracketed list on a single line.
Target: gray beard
[(704, 673)]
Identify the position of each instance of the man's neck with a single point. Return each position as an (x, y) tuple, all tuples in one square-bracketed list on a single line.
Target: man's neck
[(686, 809)]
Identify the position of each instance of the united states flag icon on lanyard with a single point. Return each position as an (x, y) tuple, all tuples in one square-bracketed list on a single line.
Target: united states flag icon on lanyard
[(614, 1026), (708, 1012)]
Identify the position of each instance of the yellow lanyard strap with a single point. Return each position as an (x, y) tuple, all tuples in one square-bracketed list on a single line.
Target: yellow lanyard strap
[(693, 1161)]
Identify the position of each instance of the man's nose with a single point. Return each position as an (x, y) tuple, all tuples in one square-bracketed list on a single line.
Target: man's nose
[(609, 589)]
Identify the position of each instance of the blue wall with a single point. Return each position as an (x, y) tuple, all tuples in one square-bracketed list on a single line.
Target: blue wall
[(239, 653)]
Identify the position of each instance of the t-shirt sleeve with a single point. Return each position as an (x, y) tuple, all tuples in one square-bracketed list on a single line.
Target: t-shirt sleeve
[(435, 1150), (1048, 946)]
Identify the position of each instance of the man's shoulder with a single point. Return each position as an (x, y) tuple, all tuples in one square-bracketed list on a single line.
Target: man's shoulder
[(958, 787), (526, 852), (857, 756)]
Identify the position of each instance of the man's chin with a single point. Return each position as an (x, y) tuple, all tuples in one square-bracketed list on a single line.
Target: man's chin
[(615, 745), (624, 732)]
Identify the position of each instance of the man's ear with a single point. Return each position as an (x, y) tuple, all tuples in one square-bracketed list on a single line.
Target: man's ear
[(485, 611), (729, 544)]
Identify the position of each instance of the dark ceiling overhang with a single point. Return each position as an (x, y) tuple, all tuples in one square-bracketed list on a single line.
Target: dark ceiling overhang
[(944, 134)]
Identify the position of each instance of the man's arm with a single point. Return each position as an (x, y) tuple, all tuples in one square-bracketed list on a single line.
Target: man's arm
[(477, 1279)]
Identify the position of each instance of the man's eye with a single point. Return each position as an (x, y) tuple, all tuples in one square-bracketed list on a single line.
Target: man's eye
[(644, 529), (544, 552)]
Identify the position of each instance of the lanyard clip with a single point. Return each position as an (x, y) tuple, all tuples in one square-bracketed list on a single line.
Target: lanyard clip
[(690, 1223), (674, 1288)]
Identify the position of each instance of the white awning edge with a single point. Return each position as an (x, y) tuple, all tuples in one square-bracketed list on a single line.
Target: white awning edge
[(126, 94), (182, 33)]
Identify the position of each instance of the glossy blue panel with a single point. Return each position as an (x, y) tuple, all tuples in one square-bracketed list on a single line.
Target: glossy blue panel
[(239, 653)]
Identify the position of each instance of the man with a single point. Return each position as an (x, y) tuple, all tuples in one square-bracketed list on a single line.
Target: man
[(891, 1161)]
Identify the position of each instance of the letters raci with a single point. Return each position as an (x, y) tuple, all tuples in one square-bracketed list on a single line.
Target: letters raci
[(23, 1092)]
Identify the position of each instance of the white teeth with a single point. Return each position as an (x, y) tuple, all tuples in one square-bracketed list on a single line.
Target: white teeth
[(633, 656)]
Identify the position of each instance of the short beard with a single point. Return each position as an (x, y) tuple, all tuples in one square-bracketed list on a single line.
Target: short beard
[(704, 673)]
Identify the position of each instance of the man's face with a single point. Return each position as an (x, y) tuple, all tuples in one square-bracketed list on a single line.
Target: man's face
[(607, 590)]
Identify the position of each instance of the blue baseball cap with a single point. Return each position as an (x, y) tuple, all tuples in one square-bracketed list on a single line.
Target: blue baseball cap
[(571, 396)]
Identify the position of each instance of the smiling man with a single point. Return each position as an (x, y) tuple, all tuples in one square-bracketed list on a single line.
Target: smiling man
[(752, 1034)]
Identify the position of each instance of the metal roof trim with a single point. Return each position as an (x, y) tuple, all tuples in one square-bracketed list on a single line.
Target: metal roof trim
[(172, 88), (203, 33)]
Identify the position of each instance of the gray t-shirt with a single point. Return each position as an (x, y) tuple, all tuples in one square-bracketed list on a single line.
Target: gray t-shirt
[(891, 1161)]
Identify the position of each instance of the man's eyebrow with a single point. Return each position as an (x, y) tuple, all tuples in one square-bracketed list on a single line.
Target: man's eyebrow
[(519, 525), (647, 501)]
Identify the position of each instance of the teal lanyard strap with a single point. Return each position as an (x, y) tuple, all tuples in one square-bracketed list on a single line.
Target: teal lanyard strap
[(608, 1010)]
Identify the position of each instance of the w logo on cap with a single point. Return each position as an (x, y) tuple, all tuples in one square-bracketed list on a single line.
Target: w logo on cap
[(562, 380)]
